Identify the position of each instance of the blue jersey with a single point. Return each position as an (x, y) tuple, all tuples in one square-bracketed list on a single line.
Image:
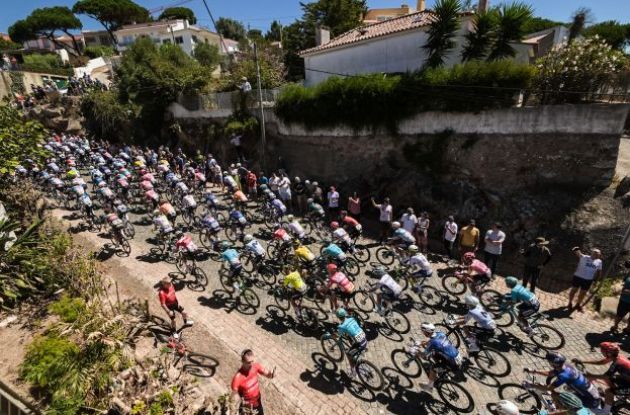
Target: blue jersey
[(521, 294), (439, 343), (333, 251), (231, 256), (572, 377), (351, 328)]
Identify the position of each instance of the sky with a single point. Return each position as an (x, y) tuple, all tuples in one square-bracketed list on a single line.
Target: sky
[(258, 14)]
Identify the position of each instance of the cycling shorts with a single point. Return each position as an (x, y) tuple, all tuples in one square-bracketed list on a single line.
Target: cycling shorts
[(387, 294), (339, 293), (528, 309), (175, 307)]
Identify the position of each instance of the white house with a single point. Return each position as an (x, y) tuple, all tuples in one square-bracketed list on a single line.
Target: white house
[(179, 31), (390, 46)]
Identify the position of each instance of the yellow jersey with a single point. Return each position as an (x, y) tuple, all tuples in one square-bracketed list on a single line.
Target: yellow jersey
[(304, 254), (295, 281)]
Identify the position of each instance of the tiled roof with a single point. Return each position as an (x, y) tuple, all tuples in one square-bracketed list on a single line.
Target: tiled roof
[(371, 31)]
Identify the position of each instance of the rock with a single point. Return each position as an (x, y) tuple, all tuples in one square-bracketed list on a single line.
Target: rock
[(120, 406), (52, 112), (625, 200), (609, 306), (623, 187)]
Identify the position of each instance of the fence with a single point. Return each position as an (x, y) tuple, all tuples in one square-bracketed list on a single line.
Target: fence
[(232, 100), (11, 404)]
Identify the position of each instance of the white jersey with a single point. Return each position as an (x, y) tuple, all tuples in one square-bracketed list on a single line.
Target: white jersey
[(189, 201), (387, 281), (481, 317), (420, 261), (163, 223), (277, 203), (181, 186), (255, 247), (341, 235), (296, 229)]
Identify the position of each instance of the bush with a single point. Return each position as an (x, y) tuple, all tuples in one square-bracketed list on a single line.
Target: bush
[(94, 52), (106, 117), (383, 100), (50, 63), (46, 361), (68, 308)]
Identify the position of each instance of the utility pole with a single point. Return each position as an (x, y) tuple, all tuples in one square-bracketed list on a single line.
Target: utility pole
[(227, 52), (263, 137)]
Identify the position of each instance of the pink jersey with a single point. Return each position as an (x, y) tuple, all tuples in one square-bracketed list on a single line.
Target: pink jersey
[(479, 268)]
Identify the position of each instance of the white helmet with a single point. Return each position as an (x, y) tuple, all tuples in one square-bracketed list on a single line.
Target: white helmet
[(427, 327), (413, 248), (395, 225), (471, 301), (290, 218), (247, 238), (507, 408)]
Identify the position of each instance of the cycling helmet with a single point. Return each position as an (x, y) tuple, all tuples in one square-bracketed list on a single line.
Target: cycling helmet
[(296, 243), (341, 313), (117, 202), (272, 195), (225, 173), (225, 245), (570, 401), (395, 225), (511, 281), (471, 301), (156, 212), (469, 256), (427, 328), (412, 248), (179, 234), (507, 408), (379, 271), (247, 238), (334, 225), (556, 359), (343, 213), (102, 184), (331, 268), (290, 218), (309, 200), (609, 348)]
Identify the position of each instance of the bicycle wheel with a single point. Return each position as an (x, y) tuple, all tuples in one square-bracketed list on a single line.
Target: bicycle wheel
[(332, 349), (308, 228), (527, 403), (430, 296), (250, 297), (272, 250), (491, 300), (124, 244), (547, 337), (224, 278), (450, 333), (406, 363), (309, 318), (248, 264), (453, 285), (268, 274), (362, 254), (503, 318), (492, 362), (397, 321), (188, 217), (205, 238), (231, 234), (201, 278), (455, 396), (370, 375), (281, 298), (364, 301), (352, 268), (385, 256), (181, 262), (129, 231)]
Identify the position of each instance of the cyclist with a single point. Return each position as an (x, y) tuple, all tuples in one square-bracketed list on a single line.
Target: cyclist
[(402, 237), (478, 273), (185, 244), (283, 237), (528, 306), (618, 374), (237, 218), (340, 235), (420, 265), (303, 254), (484, 327), (350, 224), (298, 288), (506, 408), (229, 182), (210, 200), (568, 403), (333, 253), (254, 247), (86, 205), (441, 352), (388, 289), (189, 203), (278, 207), (295, 228), (240, 200), (116, 225), (339, 286), (162, 224), (315, 210), (169, 303), (167, 209), (350, 327), (230, 255), (566, 374)]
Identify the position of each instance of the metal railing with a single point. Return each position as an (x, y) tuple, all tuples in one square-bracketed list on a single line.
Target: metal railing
[(231, 100), (12, 404)]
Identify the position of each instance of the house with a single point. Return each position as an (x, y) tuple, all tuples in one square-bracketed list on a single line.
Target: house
[(391, 46), (44, 44), (178, 31), (538, 44), (95, 38), (380, 15)]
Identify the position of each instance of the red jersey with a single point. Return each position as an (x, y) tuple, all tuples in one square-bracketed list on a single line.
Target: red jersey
[(350, 221), (251, 180), (246, 384), (167, 297)]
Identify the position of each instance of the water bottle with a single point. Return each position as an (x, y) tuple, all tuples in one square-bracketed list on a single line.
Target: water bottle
[(549, 402)]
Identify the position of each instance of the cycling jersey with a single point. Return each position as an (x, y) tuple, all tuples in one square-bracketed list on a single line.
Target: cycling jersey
[(123, 183), (78, 190), (522, 294), (210, 222), (85, 199), (167, 209), (163, 223), (114, 221), (620, 366), (255, 248), (239, 196), (281, 235), (479, 268), (167, 297), (229, 182), (352, 329), (341, 235), (420, 261), (237, 216), (334, 251), (576, 380), (181, 186), (304, 254), (316, 208), (211, 199), (481, 317), (404, 236), (279, 206), (152, 195), (189, 201), (297, 229), (148, 177), (146, 185), (341, 281), (388, 282), (294, 280), (351, 222), (439, 343), (186, 242), (200, 177), (107, 192), (231, 256)]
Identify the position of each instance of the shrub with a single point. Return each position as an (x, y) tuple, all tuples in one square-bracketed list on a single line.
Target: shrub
[(383, 100), (94, 52), (50, 63), (68, 308), (45, 362)]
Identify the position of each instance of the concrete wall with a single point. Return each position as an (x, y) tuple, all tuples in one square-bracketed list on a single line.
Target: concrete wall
[(29, 78)]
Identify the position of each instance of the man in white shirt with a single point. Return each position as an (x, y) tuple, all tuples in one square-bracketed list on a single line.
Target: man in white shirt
[(385, 217), (450, 234), (333, 203), (409, 220), (494, 246), (589, 270), (284, 189)]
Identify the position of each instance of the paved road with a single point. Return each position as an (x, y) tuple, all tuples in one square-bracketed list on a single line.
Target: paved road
[(310, 380)]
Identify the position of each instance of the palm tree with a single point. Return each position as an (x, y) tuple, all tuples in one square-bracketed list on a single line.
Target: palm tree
[(511, 23), (580, 18), (442, 31), (480, 39)]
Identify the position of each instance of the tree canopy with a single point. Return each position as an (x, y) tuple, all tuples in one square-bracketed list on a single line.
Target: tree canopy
[(47, 22), (172, 13), (231, 29), (274, 34), (537, 24), (112, 14), (615, 34), (208, 55), (510, 29)]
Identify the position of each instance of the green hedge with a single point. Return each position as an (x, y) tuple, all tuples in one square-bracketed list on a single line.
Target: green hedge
[(383, 100)]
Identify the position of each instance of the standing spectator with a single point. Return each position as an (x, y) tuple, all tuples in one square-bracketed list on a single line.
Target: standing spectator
[(299, 190), (409, 220), (450, 235), (333, 203), (494, 246), (318, 193), (262, 179), (252, 188), (589, 270), (235, 140), (274, 183), (169, 303), (469, 238), (245, 384), (245, 91), (422, 232), (354, 206), (623, 309), (537, 255), (284, 191), (385, 217)]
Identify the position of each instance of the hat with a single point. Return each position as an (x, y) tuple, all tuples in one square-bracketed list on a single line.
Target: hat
[(542, 241)]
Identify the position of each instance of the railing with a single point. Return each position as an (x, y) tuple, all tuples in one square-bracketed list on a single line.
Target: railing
[(231, 100), (12, 404)]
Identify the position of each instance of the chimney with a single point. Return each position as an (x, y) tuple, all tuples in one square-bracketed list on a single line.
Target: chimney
[(483, 6), (322, 35), (405, 8), (422, 5)]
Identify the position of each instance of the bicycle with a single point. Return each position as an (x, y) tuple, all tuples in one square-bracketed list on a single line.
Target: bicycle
[(237, 285), (388, 254), (621, 402), (335, 347), (457, 283), (186, 264), (397, 321), (282, 298), (526, 397), (427, 294)]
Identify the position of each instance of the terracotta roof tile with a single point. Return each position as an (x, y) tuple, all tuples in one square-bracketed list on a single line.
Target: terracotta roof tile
[(374, 30)]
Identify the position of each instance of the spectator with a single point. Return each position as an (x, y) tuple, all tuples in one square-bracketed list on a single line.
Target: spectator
[(333, 203), (537, 255), (450, 235), (354, 206), (274, 183), (235, 140), (169, 303), (623, 309), (422, 232), (252, 188), (299, 190), (469, 238), (318, 193), (262, 179), (245, 384), (494, 246), (589, 270), (385, 217), (409, 220), (284, 191)]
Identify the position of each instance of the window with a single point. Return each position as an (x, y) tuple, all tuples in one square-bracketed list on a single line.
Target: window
[(127, 40), (179, 40)]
